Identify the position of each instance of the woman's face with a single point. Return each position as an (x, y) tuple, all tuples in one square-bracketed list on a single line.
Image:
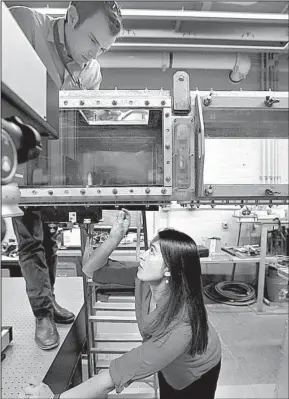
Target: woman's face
[(152, 267)]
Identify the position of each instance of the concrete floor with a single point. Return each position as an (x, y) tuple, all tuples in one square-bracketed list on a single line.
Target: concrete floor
[(251, 349), (252, 346)]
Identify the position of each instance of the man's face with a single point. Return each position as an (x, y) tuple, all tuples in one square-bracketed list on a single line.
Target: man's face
[(89, 39)]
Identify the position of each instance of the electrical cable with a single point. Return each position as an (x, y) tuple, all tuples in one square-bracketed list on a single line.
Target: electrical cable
[(231, 293)]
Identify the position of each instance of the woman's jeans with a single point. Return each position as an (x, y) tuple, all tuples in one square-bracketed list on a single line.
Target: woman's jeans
[(203, 388)]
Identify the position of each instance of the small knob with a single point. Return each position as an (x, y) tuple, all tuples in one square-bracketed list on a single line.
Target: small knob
[(82, 191), (114, 102), (147, 190), (207, 101), (209, 190), (168, 179), (246, 212), (167, 146), (164, 191), (81, 102), (50, 192), (114, 191)]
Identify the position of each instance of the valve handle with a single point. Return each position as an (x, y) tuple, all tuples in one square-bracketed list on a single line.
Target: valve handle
[(27, 139)]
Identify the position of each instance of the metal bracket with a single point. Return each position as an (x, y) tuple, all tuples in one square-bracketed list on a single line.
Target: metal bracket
[(181, 93), (270, 191), (269, 101)]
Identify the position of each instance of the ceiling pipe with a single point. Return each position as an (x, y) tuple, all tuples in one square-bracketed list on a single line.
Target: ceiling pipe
[(141, 59), (242, 3), (187, 15), (241, 68), (238, 64)]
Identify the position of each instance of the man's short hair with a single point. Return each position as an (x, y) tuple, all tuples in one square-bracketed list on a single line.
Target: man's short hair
[(111, 10)]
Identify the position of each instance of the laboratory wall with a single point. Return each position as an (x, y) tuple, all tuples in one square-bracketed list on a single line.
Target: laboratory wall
[(204, 79), (201, 224), (227, 161), (154, 79)]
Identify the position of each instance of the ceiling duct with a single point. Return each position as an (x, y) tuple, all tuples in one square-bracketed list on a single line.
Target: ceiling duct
[(237, 64)]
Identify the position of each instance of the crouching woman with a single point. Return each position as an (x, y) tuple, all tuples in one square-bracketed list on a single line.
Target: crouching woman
[(179, 343)]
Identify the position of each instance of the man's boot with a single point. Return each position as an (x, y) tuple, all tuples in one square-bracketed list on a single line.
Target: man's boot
[(46, 334), (61, 315)]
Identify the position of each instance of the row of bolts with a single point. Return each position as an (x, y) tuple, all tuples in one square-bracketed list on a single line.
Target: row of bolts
[(114, 191)]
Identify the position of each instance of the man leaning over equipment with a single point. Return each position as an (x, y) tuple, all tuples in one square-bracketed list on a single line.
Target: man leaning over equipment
[(68, 47)]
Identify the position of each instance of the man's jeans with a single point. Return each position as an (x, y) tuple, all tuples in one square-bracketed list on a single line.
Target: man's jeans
[(37, 259)]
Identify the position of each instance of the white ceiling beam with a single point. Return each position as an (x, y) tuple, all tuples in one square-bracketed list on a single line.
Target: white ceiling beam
[(199, 47), (215, 32), (188, 15), (203, 15)]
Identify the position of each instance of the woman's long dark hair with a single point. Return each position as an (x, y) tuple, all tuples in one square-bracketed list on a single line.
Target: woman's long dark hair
[(180, 255)]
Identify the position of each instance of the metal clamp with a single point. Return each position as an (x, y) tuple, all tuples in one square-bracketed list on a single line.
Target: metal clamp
[(269, 101), (270, 191), (181, 93)]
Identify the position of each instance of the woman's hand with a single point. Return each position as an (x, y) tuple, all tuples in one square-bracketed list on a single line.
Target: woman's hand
[(121, 226), (37, 391)]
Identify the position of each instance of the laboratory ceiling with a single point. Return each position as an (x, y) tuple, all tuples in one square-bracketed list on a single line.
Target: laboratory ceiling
[(248, 26)]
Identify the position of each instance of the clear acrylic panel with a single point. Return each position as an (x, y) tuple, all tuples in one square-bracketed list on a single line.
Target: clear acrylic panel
[(102, 148), (245, 122), (246, 145), (249, 161)]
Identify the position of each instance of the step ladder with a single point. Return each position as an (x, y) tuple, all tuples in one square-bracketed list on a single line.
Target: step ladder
[(111, 326)]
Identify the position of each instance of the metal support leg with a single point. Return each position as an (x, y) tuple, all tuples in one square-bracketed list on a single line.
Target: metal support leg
[(138, 237), (238, 242), (85, 234), (262, 268), (156, 385), (145, 231)]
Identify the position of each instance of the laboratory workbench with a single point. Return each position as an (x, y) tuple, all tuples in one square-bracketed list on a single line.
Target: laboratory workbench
[(224, 258), (60, 368), (69, 264), (220, 258)]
